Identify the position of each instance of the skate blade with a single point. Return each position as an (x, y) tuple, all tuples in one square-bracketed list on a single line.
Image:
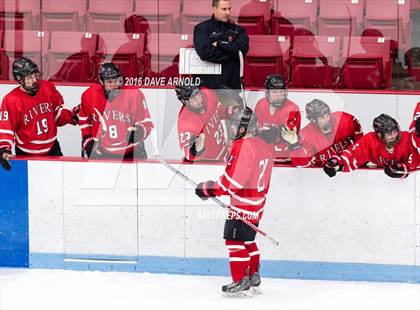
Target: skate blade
[(241, 294), (256, 290)]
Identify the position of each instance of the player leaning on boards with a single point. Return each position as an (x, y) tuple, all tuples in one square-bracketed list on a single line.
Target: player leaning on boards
[(30, 115), (114, 119), (327, 134), (246, 180), (200, 131), (219, 40), (274, 112), (387, 147), (415, 138)]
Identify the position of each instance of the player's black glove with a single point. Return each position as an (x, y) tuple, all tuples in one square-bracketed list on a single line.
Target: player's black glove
[(4, 158), (398, 171), (136, 134), (333, 165), (75, 114), (270, 134), (204, 190), (200, 149), (418, 127), (87, 145)]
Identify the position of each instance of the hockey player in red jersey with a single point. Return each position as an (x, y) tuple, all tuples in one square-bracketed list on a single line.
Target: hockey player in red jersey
[(200, 130), (327, 134), (246, 180), (275, 111), (30, 114), (387, 147), (114, 120), (415, 128), (415, 138)]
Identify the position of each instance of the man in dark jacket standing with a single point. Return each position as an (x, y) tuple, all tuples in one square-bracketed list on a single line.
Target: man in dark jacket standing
[(219, 40)]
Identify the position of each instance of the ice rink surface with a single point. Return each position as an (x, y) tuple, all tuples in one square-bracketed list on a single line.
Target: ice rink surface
[(62, 289)]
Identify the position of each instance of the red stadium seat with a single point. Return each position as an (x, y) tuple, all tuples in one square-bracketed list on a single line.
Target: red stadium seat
[(164, 51), (414, 5), (412, 59), (4, 74), (63, 15), (194, 12), (108, 16), (124, 49), (267, 55), (20, 15), (71, 57), (314, 61), (391, 18), (162, 15), (252, 15), (291, 14), (367, 64), (25, 43), (340, 18)]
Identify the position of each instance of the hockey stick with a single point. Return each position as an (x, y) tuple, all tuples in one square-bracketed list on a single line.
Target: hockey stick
[(241, 77), (157, 155)]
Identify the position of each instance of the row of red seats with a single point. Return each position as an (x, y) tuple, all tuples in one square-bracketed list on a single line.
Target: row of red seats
[(320, 61), (74, 56), (279, 17)]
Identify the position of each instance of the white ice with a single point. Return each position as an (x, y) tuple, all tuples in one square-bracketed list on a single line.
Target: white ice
[(61, 289)]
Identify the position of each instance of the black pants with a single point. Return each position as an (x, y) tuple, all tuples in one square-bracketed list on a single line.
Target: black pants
[(55, 151), (238, 230)]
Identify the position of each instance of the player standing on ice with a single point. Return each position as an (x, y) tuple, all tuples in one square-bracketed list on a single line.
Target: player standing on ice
[(200, 130), (387, 147), (275, 111), (114, 118), (327, 134), (247, 180), (30, 115)]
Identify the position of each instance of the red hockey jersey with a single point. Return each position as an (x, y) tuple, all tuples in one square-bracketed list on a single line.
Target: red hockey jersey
[(316, 147), (108, 122), (370, 148), (247, 177), (287, 115), (415, 140), (191, 124), (31, 121), (416, 115)]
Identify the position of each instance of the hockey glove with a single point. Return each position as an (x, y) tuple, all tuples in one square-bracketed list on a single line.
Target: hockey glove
[(135, 134), (87, 145), (5, 155), (333, 165), (269, 134), (398, 171), (75, 114), (197, 146), (204, 190), (418, 127), (290, 137)]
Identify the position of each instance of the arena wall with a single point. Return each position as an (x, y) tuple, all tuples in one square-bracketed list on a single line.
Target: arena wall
[(83, 215)]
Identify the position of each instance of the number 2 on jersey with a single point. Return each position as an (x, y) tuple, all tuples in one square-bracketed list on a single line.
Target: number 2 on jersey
[(263, 166)]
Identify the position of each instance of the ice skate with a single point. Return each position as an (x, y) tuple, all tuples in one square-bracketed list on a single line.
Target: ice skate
[(238, 289), (256, 283)]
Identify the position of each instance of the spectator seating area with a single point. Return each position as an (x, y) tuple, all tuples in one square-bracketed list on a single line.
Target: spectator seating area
[(313, 43)]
